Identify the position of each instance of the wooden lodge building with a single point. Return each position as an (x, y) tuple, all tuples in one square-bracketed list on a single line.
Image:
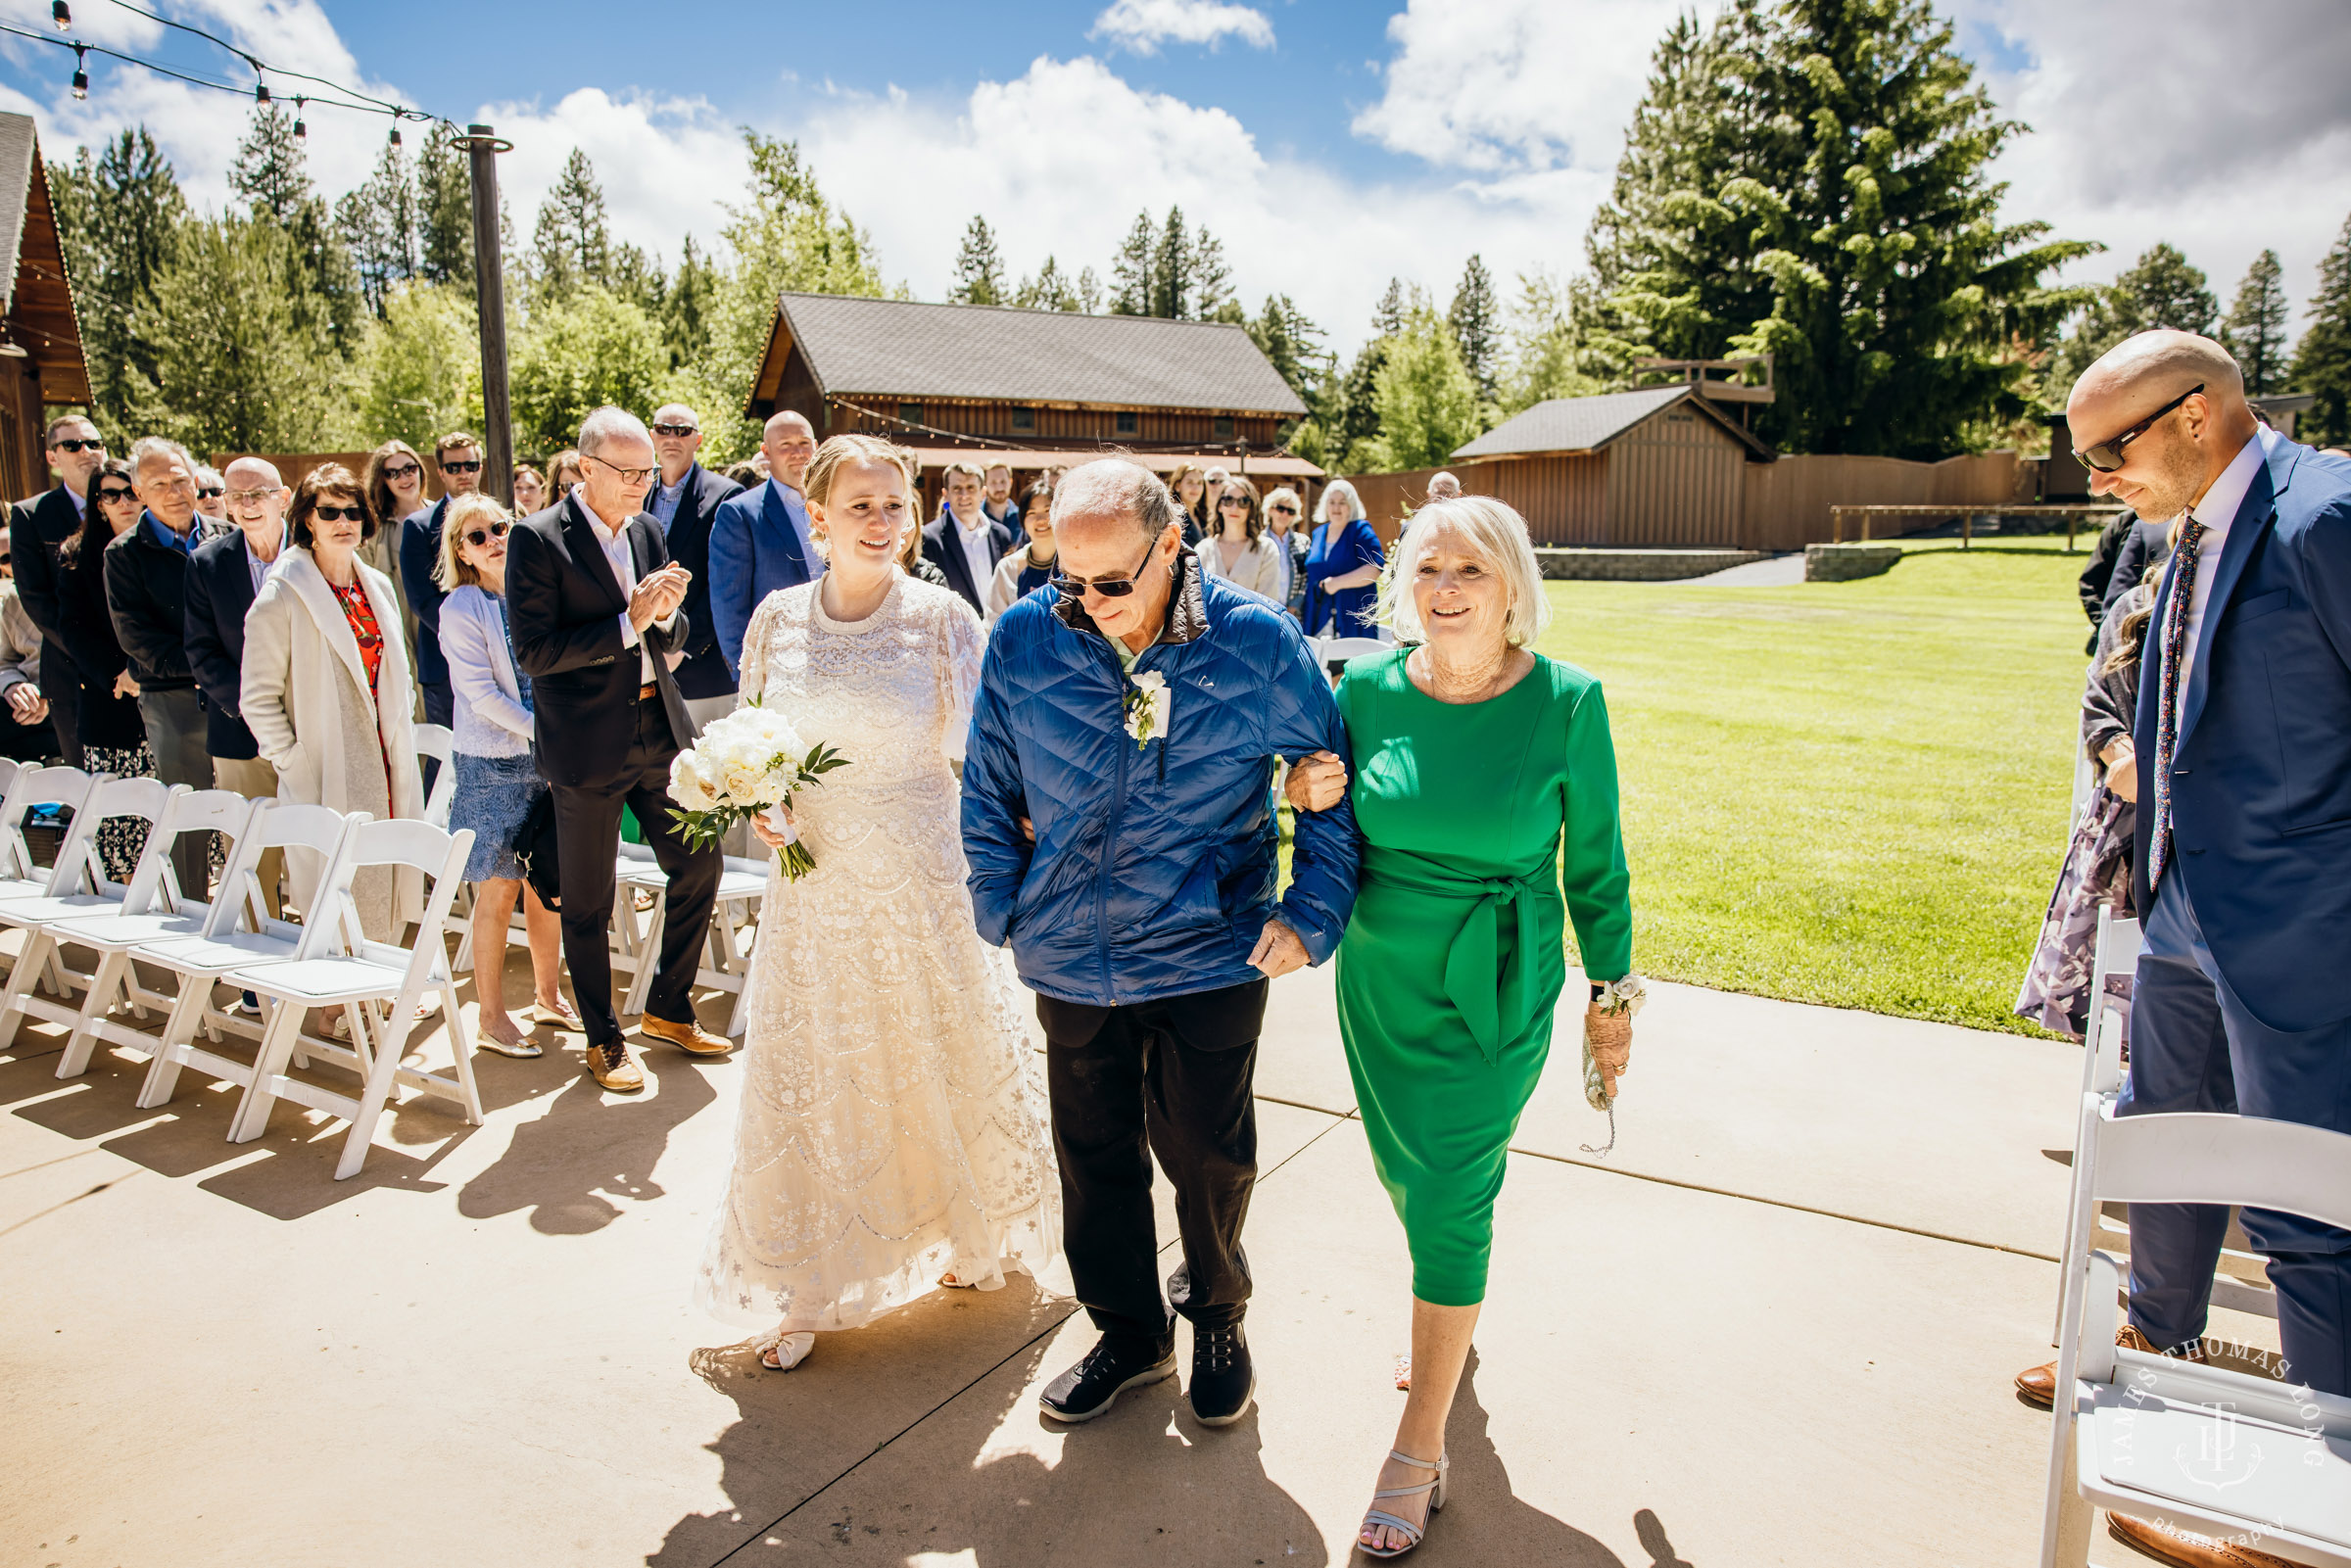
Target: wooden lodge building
[(40, 337), (1034, 389)]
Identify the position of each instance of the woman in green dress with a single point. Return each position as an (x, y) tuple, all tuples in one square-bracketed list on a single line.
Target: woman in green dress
[(1485, 787)]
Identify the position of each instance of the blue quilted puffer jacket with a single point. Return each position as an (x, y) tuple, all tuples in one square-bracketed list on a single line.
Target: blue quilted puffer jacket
[(1154, 867)]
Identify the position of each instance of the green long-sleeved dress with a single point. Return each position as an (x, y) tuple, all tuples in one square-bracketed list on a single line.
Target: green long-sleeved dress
[(1455, 957)]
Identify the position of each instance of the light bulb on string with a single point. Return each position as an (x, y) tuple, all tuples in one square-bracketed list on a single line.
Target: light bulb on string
[(261, 93), (302, 132), (396, 133), (62, 15), (81, 73)]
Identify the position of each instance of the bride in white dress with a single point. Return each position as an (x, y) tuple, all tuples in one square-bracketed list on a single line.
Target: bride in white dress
[(893, 1133)]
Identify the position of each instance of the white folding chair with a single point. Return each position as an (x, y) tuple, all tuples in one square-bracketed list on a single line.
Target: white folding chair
[(20, 876), (2193, 1446), (2242, 1282), (239, 933), (435, 740), (155, 908), (1333, 652), (77, 886), (726, 954), (378, 987)]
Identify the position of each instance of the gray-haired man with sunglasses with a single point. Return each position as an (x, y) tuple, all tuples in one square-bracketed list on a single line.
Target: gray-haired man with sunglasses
[(1117, 814), (2243, 745)]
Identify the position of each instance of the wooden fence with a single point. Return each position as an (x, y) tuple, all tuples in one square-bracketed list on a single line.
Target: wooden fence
[(1781, 506)]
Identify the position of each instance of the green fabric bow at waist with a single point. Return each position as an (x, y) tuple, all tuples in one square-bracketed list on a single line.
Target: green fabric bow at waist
[(1496, 1005)]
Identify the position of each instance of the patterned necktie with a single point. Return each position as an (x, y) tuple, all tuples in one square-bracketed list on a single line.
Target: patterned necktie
[(2166, 718)]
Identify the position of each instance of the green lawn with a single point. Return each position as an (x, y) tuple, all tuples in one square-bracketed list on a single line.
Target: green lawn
[(1851, 793)]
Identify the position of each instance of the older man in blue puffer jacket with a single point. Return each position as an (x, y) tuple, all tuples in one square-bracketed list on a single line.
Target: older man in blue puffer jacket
[(1118, 810)]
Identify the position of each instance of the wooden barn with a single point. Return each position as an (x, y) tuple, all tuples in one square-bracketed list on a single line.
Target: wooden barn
[(1034, 389), (1661, 467), (40, 337)]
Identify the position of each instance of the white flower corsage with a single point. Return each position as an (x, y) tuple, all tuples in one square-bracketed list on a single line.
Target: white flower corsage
[(1149, 707)]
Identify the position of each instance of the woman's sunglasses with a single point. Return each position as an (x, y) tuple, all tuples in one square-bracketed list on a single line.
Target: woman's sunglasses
[(1241, 501), (342, 514), (403, 471), (478, 537), (2107, 455), (109, 495)]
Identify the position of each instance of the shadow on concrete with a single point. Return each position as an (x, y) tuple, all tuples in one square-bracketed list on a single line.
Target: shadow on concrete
[(1484, 1522), (569, 1164)]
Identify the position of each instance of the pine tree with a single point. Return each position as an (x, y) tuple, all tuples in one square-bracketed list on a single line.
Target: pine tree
[(445, 210), (1291, 343), (271, 172), (979, 267), (1812, 182), (2255, 331), (1547, 348), (1427, 402), (1050, 289), (378, 221), (2159, 290), (1387, 317), (1089, 291), (117, 217), (1213, 298), (2323, 362), (685, 313), (1172, 279), (572, 244), (1476, 326), (1131, 271)]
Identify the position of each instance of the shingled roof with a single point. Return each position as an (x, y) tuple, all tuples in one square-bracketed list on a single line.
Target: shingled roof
[(1587, 424), (908, 348)]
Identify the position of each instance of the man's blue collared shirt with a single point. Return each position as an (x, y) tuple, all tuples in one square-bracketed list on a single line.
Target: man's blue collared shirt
[(665, 500), (185, 545)]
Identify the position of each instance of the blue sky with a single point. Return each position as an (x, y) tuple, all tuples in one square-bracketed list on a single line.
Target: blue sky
[(1330, 145)]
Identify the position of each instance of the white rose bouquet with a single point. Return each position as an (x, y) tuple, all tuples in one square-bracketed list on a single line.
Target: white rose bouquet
[(747, 765)]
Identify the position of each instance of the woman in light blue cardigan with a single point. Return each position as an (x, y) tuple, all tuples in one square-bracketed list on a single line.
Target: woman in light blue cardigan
[(497, 779)]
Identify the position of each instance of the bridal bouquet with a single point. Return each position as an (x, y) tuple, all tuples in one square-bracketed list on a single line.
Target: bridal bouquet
[(747, 765)]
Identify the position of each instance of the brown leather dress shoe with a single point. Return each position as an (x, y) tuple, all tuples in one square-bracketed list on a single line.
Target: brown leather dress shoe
[(690, 1037), (2185, 1550), (2039, 1383), (613, 1070)]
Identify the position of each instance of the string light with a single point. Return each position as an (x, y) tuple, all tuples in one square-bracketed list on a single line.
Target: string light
[(261, 93), (62, 15), (81, 68), (302, 132), (396, 133)]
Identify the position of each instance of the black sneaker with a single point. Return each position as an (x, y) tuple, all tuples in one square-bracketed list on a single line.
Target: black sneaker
[(1113, 1366), (1222, 1376)]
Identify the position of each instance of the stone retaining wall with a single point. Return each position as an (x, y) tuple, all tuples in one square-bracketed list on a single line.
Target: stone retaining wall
[(1842, 563), (1639, 565)]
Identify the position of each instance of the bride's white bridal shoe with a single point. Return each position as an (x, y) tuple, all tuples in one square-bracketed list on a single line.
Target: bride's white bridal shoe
[(786, 1352)]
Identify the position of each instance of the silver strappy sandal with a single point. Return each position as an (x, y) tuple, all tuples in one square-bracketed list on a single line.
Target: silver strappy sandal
[(1381, 1516)]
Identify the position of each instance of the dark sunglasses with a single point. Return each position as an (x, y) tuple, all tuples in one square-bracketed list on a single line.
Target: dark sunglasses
[(345, 515), (677, 430), (2107, 455), (406, 470), (78, 446), (1241, 501), (1112, 587), (478, 537), (473, 466), (211, 493), (1286, 511), (109, 495)]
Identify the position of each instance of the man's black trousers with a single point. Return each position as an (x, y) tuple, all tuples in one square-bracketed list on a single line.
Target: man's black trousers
[(587, 848), (1169, 1078)]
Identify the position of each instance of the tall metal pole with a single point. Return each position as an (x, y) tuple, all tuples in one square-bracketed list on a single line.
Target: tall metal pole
[(490, 291)]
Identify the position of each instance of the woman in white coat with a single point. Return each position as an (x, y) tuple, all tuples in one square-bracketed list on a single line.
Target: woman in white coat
[(1238, 549), (497, 781), (327, 690)]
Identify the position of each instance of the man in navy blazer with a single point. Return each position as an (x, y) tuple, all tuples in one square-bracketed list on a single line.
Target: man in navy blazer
[(459, 459), (223, 577), (759, 538), (964, 542), (684, 499), (2242, 875)]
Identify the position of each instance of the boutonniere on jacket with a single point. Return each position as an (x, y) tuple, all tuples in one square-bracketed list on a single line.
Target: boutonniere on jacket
[(1149, 705)]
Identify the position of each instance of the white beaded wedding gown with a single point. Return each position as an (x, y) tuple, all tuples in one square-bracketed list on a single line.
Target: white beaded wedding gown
[(893, 1123)]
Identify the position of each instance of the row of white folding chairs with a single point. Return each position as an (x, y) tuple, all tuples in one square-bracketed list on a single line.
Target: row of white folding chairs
[(2241, 1283), (2193, 1446), (326, 962)]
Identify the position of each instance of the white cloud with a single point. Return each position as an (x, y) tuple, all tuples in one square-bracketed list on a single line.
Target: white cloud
[(666, 164), (1142, 26)]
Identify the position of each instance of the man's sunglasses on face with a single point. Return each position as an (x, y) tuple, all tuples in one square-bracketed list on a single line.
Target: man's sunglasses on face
[(676, 430), (1108, 588), (473, 465), (478, 537), (2107, 455), (72, 444)]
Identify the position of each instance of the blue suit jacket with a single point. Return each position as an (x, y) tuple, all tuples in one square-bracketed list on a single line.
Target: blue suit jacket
[(2260, 775), (753, 551), (219, 592), (705, 674), (419, 551)]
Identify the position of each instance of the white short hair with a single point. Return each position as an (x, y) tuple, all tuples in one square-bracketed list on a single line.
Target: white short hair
[(1337, 486), (157, 449), (609, 424), (1493, 533)]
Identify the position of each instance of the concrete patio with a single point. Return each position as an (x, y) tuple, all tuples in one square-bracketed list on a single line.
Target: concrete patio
[(1775, 1325)]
